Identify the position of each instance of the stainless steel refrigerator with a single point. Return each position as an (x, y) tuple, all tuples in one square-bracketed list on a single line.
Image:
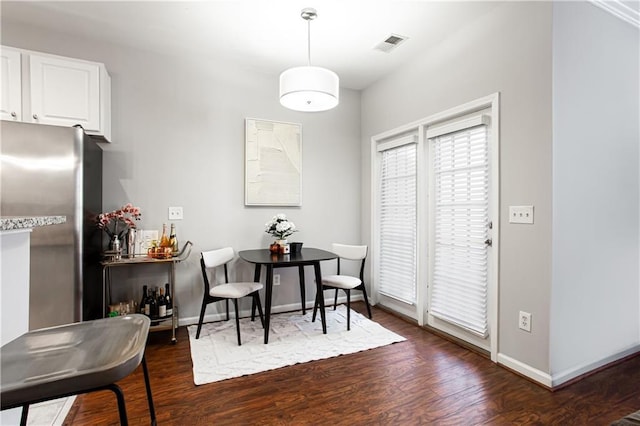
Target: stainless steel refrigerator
[(53, 170)]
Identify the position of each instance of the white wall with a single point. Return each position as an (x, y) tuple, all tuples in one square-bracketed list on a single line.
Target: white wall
[(595, 311), (178, 140), (507, 50)]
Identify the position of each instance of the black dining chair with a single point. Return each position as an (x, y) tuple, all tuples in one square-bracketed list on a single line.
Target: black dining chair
[(345, 282), (209, 261)]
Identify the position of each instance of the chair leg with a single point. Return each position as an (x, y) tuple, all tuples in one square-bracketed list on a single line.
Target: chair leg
[(147, 384), (227, 303), (335, 300), (253, 308), (25, 415), (235, 304), (204, 307), (122, 409), (348, 309), (366, 300), (256, 300)]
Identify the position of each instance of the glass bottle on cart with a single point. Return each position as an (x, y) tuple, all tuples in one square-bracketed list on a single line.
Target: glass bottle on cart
[(167, 296), (153, 304), (147, 302), (141, 306), (173, 240), (162, 304)]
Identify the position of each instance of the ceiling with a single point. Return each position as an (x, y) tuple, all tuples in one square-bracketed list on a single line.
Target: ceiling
[(267, 35)]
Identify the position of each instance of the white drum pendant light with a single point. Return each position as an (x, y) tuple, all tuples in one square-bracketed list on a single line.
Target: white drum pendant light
[(309, 88)]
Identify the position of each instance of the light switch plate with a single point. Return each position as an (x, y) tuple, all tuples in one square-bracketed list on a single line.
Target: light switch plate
[(521, 214), (175, 213)]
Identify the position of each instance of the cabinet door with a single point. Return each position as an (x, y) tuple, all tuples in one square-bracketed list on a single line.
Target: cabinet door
[(11, 89), (65, 92)]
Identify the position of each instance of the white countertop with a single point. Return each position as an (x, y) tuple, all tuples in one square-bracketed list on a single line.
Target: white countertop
[(9, 223)]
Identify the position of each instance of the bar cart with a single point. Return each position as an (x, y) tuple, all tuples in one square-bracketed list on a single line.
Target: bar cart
[(118, 261)]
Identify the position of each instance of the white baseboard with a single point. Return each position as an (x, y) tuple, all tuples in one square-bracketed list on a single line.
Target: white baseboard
[(292, 307), (525, 369), (557, 379), (572, 373)]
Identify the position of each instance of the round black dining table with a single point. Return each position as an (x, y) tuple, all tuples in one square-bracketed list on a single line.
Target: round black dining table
[(306, 256)]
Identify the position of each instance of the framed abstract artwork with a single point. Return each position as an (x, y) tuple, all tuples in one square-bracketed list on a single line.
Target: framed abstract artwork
[(273, 163)]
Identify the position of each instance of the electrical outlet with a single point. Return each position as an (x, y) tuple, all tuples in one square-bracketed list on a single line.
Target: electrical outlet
[(524, 321), (175, 213), (276, 279)]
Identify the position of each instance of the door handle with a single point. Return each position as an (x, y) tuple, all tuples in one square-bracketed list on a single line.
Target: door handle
[(488, 242)]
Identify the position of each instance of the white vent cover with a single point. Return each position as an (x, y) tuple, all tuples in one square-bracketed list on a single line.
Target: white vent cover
[(390, 43)]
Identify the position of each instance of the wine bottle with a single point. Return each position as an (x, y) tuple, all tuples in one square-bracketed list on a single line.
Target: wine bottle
[(167, 296), (147, 302), (162, 304), (164, 240), (144, 297), (153, 305), (173, 240)]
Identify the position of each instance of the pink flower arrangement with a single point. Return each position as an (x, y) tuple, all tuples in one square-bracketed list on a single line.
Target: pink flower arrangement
[(124, 216)]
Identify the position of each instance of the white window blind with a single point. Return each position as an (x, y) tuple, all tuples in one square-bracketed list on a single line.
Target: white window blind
[(397, 209), (461, 197)]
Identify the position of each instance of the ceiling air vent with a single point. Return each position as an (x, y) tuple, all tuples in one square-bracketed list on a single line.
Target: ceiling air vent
[(390, 43)]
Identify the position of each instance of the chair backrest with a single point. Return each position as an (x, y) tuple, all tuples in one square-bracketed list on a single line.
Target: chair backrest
[(213, 258), (350, 252)]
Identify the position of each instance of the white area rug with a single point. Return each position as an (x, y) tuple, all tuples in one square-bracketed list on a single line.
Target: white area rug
[(50, 413), (293, 339)]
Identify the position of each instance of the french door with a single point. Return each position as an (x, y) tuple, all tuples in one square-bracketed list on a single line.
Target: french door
[(434, 233), (397, 220), (460, 237)]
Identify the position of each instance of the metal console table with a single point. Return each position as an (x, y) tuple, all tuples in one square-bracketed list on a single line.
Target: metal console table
[(156, 325)]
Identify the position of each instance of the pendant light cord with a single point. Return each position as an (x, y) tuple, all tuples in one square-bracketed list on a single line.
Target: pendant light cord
[(309, 42)]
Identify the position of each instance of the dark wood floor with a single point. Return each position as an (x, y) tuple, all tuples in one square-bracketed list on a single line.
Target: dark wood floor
[(425, 380)]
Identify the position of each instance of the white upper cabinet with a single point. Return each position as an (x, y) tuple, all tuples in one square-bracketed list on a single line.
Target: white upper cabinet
[(62, 92), (65, 92), (10, 91)]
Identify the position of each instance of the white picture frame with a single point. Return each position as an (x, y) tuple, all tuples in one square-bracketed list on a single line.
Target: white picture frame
[(273, 163), (145, 238)]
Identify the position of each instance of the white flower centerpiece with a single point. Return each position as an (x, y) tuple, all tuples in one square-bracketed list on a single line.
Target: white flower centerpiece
[(281, 228)]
